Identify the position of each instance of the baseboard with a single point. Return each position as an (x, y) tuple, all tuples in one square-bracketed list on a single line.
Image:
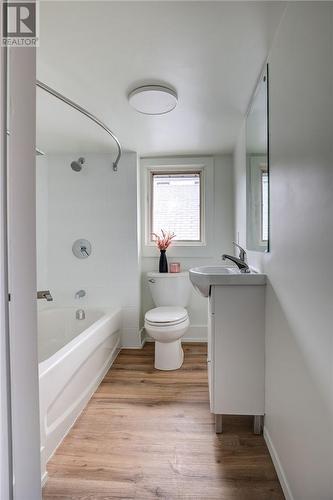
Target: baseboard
[(194, 340), (278, 466), (143, 336), (196, 333), (44, 478), (143, 340)]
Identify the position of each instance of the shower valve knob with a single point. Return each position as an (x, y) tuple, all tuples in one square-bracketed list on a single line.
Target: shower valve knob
[(81, 249)]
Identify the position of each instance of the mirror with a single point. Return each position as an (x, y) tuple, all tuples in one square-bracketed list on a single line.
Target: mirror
[(257, 169)]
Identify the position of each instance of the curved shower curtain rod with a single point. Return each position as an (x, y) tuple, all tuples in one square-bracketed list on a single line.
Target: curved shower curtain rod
[(92, 117)]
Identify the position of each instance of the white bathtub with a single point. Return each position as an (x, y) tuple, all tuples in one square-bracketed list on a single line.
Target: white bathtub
[(74, 356)]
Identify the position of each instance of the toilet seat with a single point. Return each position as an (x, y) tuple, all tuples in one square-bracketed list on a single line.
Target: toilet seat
[(166, 325), (166, 316)]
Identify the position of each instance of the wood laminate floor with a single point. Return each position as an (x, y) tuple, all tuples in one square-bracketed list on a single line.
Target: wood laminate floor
[(149, 434)]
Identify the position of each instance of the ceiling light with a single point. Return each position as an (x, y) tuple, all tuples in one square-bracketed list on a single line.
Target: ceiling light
[(153, 99)]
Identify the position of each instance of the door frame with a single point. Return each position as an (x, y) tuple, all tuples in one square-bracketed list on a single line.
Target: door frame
[(18, 187), (6, 486)]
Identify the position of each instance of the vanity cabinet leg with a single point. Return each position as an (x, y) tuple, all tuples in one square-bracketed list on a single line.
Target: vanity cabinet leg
[(257, 424), (218, 424)]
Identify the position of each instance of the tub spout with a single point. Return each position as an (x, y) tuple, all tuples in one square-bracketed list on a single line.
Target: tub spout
[(80, 314), (44, 294)]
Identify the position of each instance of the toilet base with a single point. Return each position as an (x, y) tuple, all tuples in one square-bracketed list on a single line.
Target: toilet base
[(168, 356)]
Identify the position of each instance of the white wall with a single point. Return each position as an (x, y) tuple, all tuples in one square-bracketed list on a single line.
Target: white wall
[(219, 241), (42, 214), (299, 345), (101, 206)]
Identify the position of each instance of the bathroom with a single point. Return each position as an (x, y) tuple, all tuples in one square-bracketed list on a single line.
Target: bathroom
[(199, 372)]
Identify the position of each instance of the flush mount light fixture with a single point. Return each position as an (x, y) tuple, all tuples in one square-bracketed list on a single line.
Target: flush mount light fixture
[(153, 99)]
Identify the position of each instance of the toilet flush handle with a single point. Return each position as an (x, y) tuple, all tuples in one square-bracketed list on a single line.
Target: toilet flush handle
[(151, 281)]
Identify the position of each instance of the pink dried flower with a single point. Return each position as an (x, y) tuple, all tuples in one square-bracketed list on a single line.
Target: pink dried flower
[(164, 241)]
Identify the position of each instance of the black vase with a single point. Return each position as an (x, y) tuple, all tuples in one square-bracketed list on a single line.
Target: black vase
[(163, 266)]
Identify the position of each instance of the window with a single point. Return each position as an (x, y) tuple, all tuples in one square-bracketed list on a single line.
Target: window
[(176, 204), (166, 185), (264, 205)]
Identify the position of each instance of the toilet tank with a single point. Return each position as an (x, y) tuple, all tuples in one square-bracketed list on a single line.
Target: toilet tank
[(169, 289)]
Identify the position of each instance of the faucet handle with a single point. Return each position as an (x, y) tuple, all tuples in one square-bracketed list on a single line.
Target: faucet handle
[(242, 252)]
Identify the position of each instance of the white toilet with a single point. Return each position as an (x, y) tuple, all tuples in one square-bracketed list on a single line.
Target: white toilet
[(169, 321)]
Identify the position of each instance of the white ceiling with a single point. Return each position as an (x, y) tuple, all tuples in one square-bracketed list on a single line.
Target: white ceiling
[(96, 52)]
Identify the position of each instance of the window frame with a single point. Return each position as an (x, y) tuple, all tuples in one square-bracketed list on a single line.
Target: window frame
[(207, 248), (174, 170)]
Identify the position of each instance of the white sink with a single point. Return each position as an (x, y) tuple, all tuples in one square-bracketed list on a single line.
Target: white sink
[(204, 277)]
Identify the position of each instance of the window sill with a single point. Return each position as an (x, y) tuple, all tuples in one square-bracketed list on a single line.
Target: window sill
[(180, 244)]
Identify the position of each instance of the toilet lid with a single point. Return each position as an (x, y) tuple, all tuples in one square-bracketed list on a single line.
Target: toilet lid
[(166, 314)]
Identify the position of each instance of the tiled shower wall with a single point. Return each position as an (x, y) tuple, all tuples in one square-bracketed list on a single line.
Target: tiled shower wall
[(101, 206)]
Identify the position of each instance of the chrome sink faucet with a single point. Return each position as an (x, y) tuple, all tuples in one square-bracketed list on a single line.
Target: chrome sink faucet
[(239, 261)]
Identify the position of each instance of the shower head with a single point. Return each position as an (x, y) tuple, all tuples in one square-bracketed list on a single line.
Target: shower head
[(77, 165)]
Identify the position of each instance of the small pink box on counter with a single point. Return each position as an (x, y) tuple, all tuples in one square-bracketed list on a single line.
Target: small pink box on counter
[(175, 267)]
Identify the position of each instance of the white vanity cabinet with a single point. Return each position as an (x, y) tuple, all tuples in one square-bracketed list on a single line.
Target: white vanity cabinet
[(236, 351)]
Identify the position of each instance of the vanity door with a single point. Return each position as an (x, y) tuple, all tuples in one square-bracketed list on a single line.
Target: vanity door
[(239, 349), (210, 363)]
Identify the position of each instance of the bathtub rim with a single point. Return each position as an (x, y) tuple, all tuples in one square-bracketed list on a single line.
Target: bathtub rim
[(109, 313)]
